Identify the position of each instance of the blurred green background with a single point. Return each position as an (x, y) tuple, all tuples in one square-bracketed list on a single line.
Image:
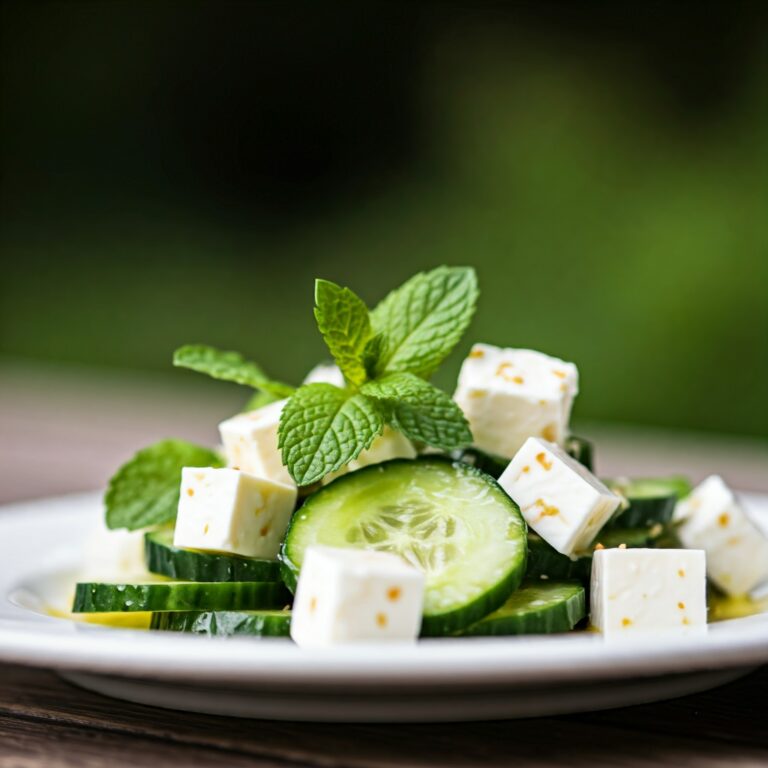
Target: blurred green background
[(180, 172)]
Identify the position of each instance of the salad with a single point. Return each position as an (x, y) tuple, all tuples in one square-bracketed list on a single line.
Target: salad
[(367, 505)]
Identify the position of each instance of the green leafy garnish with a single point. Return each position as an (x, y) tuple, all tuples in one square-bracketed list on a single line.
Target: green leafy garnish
[(323, 427), (228, 366), (424, 319), (145, 490), (386, 357), (345, 325), (421, 411)]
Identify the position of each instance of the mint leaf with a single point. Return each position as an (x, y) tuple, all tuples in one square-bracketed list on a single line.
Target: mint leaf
[(145, 490), (372, 353), (421, 411), (323, 427), (342, 318), (424, 319), (228, 366)]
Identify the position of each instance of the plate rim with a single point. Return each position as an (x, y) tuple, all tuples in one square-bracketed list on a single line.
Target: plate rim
[(33, 640)]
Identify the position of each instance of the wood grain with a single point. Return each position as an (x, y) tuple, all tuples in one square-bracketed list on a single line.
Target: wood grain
[(47, 722)]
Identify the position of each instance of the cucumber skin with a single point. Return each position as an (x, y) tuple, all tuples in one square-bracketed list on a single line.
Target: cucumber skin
[(562, 617), (580, 449), (224, 623), (644, 511), (489, 463), (439, 624), (545, 560), (163, 558), (576, 447), (95, 597)]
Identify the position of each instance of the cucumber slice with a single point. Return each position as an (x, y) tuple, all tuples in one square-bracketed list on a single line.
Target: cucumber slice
[(225, 623), (446, 518), (98, 597), (651, 500), (536, 608), (577, 447), (489, 463), (546, 562), (581, 450), (193, 565)]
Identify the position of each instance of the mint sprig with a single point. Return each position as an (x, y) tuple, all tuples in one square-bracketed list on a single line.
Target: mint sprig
[(229, 366), (323, 427), (145, 490), (424, 319), (345, 325), (385, 356), (421, 411)]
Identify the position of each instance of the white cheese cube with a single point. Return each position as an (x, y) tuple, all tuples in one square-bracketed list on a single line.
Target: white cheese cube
[(648, 590), (113, 555), (227, 510), (391, 444), (509, 395), (326, 373), (354, 595), (250, 443), (559, 498), (737, 550)]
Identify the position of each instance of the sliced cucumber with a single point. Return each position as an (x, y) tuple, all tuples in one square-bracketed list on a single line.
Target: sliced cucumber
[(225, 623), (577, 447), (192, 565), (581, 450), (489, 463), (536, 608), (448, 519), (628, 537), (651, 500), (544, 561), (98, 597)]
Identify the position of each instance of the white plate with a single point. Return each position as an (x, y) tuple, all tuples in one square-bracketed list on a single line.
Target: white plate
[(433, 680)]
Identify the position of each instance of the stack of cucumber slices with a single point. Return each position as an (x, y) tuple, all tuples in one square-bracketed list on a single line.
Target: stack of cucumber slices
[(485, 573)]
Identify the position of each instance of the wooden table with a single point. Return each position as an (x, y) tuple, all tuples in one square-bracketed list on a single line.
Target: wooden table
[(47, 722), (69, 437)]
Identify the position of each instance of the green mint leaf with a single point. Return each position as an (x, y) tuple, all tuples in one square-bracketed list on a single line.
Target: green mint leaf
[(372, 353), (145, 490), (343, 320), (228, 366), (421, 411), (322, 428), (424, 319)]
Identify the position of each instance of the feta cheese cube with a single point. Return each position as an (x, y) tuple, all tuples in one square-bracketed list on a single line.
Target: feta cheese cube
[(737, 550), (354, 595), (646, 590), (391, 444), (326, 373), (559, 498), (227, 510), (250, 443), (509, 395)]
